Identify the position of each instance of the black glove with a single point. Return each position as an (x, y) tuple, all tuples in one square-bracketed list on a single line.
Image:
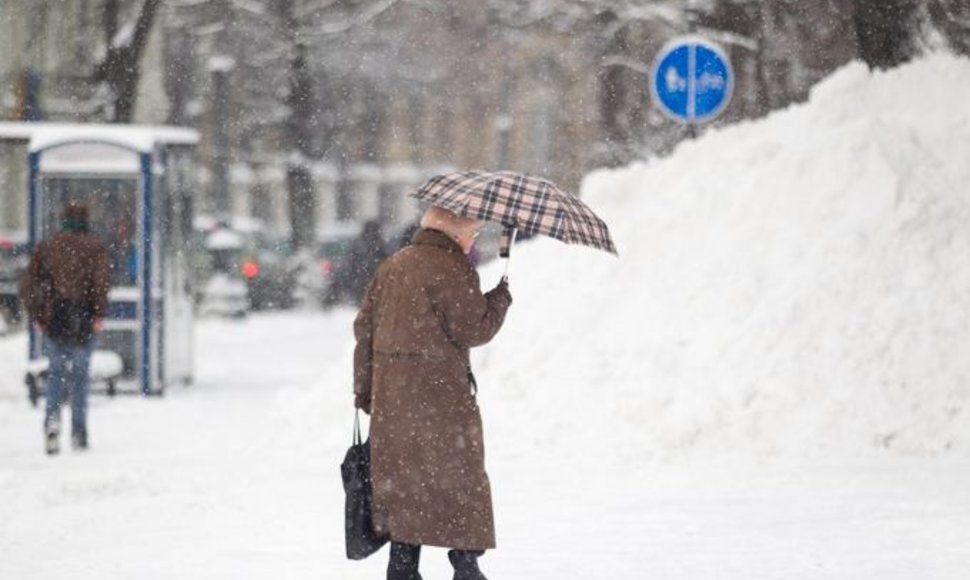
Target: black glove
[(500, 293)]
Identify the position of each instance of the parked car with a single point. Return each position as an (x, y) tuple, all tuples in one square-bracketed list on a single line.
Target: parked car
[(266, 264), (14, 257), (270, 272), (319, 265)]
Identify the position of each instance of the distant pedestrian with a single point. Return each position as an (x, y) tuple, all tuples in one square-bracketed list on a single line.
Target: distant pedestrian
[(422, 313), (403, 238), (65, 291), (358, 266)]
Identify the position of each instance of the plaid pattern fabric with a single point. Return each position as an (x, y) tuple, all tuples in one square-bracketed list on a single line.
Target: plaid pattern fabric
[(530, 204)]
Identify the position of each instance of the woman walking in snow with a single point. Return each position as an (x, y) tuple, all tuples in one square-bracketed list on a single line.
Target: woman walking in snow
[(421, 314)]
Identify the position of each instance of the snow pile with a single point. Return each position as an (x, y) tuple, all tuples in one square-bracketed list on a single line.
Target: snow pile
[(800, 284)]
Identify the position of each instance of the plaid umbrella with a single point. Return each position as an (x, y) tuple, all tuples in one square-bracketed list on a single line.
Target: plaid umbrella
[(520, 203)]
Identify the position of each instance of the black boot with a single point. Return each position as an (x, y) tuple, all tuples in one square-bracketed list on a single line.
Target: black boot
[(51, 443), (404, 562), (79, 439), (466, 564), (52, 432)]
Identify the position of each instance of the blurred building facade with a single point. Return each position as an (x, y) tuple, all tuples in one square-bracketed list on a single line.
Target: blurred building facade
[(48, 53), (361, 110)]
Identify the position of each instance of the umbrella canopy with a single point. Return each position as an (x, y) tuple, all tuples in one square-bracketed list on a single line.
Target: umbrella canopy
[(519, 202)]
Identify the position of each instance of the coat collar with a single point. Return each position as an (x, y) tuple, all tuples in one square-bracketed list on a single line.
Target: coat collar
[(426, 237)]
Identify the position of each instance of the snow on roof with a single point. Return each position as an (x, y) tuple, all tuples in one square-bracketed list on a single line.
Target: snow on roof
[(247, 224), (404, 172), (223, 239), (17, 131), (140, 138), (365, 172), (272, 173), (338, 230), (205, 222), (221, 64), (16, 236), (241, 173), (324, 170)]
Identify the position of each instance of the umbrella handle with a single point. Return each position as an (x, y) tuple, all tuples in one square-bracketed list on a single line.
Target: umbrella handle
[(505, 251), (357, 440)]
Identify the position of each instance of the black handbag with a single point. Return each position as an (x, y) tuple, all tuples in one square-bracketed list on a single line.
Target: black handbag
[(362, 540)]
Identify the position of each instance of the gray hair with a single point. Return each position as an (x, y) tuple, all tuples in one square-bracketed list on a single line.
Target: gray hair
[(441, 219)]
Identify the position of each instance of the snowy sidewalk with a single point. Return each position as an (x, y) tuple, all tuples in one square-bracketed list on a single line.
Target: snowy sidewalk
[(237, 477)]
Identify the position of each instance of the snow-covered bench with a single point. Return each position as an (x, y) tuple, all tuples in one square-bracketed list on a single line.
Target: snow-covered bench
[(106, 367)]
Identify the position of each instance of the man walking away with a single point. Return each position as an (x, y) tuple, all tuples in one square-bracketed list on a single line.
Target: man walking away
[(65, 292)]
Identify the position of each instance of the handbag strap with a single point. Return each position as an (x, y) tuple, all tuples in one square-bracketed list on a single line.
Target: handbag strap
[(356, 436)]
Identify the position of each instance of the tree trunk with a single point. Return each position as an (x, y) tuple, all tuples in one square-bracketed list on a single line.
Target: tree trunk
[(178, 77), (299, 126), (614, 92), (302, 205), (121, 68)]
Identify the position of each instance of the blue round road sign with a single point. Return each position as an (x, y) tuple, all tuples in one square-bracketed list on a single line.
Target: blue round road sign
[(692, 80)]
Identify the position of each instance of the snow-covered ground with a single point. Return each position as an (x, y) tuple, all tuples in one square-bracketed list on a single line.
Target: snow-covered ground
[(771, 382), (237, 477)]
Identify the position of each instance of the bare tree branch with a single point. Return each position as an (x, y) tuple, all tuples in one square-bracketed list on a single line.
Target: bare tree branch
[(367, 15)]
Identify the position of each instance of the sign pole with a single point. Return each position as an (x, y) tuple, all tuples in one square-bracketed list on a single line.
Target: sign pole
[(692, 89), (691, 73)]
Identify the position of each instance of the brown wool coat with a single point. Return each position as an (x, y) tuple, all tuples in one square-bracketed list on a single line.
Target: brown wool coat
[(70, 265), (421, 314)]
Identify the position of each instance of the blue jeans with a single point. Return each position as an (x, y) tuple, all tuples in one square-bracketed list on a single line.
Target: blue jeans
[(69, 366)]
